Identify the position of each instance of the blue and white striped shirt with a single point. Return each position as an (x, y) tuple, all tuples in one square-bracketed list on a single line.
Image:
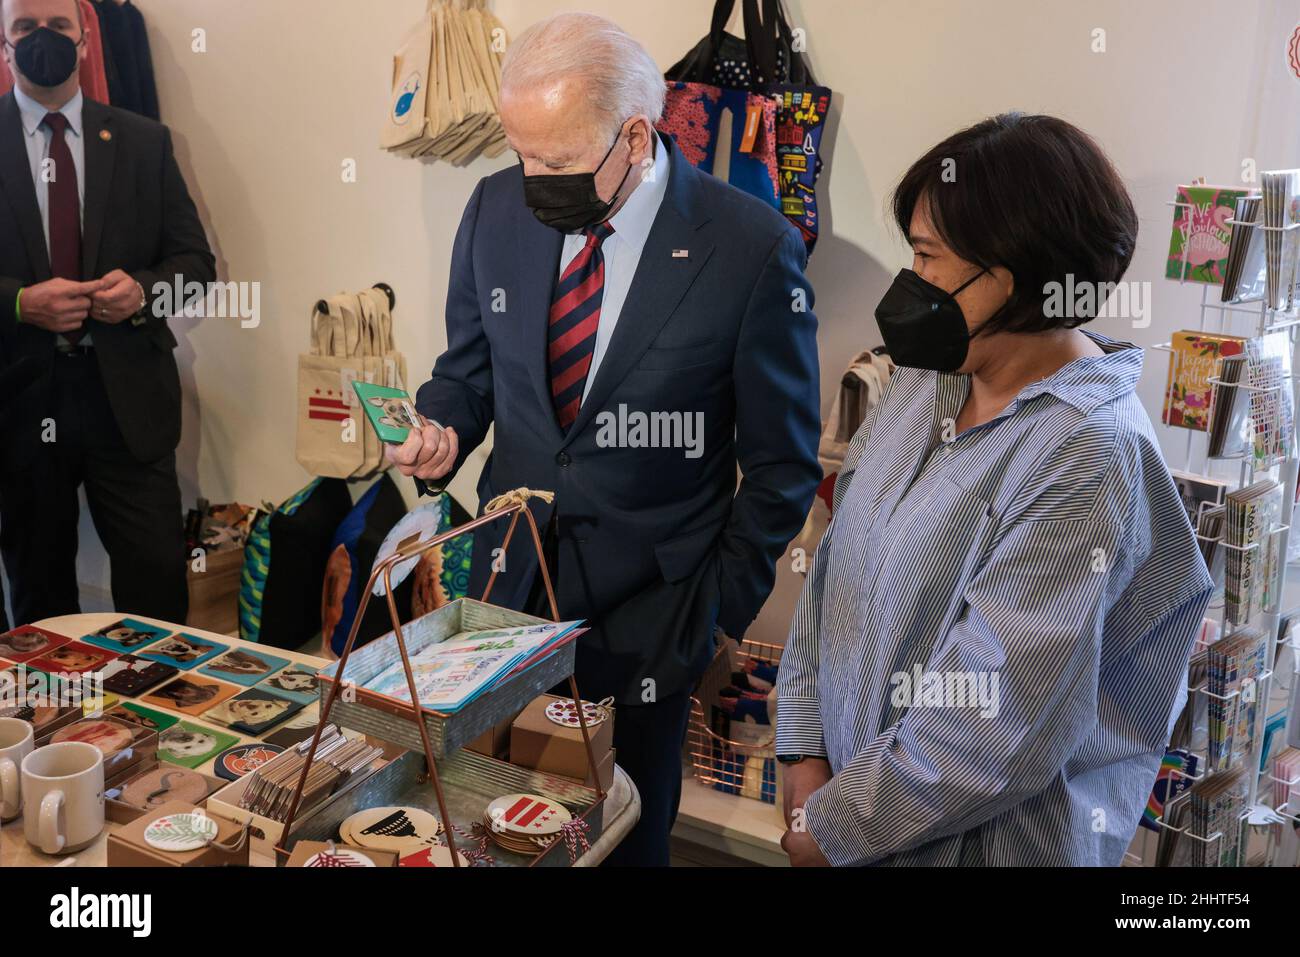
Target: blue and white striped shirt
[(991, 647)]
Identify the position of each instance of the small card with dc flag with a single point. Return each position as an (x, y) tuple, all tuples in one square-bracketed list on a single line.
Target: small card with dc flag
[(390, 411)]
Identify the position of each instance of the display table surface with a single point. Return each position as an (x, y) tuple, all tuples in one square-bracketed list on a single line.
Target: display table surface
[(738, 826), (622, 805)]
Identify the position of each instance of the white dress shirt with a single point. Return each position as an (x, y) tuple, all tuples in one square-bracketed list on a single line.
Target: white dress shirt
[(37, 138), (622, 250), (38, 149)]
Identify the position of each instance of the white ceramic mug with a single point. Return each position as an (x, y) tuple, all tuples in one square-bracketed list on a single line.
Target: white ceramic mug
[(63, 792), (15, 744)]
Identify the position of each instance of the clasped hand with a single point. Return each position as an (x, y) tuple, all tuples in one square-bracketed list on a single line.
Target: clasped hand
[(62, 305)]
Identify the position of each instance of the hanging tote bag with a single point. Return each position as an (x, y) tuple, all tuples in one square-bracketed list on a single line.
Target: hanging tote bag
[(750, 112), (361, 331), (715, 110), (325, 419), (406, 123)]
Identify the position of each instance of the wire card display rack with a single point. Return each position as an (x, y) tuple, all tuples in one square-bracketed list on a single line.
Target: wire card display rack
[(1283, 850), (511, 505)]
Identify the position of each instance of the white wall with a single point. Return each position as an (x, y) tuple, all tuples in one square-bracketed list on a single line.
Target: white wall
[(290, 89)]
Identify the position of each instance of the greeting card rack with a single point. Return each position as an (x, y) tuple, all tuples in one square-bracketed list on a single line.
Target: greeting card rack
[(512, 505), (1267, 319)]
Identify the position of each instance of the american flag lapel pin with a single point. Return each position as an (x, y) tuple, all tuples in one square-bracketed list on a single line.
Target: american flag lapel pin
[(681, 254)]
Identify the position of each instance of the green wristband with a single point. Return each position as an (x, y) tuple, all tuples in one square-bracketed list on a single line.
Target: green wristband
[(18, 306)]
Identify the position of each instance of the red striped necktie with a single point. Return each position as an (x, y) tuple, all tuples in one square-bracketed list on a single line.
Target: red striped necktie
[(64, 210), (575, 317)]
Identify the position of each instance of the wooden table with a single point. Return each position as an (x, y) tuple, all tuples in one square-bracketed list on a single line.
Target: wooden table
[(622, 806)]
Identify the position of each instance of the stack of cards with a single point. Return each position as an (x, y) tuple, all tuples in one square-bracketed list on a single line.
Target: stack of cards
[(1216, 806), (1235, 664), (1252, 514), (525, 823), (270, 788)]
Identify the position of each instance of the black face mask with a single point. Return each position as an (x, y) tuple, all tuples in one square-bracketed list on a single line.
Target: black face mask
[(569, 201), (923, 325), (46, 57)]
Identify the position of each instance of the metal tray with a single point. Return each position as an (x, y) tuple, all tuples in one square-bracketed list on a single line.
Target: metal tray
[(390, 719), (470, 781)]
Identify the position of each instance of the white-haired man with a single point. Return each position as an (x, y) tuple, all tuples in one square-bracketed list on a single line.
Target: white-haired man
[(636, 330)]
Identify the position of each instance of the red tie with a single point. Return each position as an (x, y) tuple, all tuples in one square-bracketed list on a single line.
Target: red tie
[(575, 317), (65, 210)]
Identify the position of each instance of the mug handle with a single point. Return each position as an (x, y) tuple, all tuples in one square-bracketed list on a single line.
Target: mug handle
[(9, 785), (51, 806)]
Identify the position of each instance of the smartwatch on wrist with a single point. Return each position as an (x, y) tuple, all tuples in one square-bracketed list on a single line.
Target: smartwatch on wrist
[(790, 758)]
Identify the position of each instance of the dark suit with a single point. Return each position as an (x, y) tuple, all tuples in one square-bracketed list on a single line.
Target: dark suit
[(117, 408), (652, 547)]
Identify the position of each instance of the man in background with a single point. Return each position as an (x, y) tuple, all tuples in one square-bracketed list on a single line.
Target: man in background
[(601, 280), (93, 213)]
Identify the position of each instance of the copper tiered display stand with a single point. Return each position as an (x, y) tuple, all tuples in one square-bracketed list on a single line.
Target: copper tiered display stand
[(512, 504)]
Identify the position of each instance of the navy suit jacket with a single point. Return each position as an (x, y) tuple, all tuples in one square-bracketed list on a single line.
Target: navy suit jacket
[(654, 547)]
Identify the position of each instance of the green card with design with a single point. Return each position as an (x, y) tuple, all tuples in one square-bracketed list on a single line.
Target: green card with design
[(390, 411)]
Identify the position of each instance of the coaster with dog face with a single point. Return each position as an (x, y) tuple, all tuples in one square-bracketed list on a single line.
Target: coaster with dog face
[(295, 682), (74, 657), (191, 694), (243, 667), (191, 745), (145, 717), (184, 651), (127, 636), (23, 644), (253, 711), (178, 833)]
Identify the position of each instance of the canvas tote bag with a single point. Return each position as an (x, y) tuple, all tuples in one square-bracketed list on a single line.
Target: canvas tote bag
[(324, 384)]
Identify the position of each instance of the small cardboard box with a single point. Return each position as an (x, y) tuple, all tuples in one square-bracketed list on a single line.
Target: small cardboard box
[(128, 848), (214, 592), (604, 772), (495, 742), (303, 850), (539, 743)]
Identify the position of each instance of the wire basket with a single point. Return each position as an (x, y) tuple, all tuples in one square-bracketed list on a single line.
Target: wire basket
[(717, 760)]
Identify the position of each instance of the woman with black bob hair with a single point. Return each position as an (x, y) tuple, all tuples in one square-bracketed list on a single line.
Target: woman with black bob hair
[(992, 641)]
